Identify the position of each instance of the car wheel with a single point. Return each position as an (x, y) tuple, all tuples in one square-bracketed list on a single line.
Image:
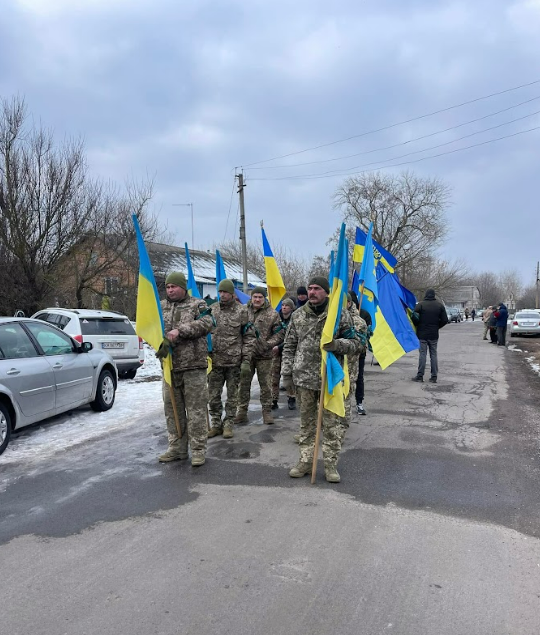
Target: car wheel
[(105, 392), (5, 427), (130, 374), (512, 335)]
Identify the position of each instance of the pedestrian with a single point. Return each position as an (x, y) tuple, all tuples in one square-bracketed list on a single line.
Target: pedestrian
[(492, 325), (287, 308), (467, 313), (301, 366), (501, 316), (232, 343), (269, 332), (356, 362), (473, 314), (431, 317), (301, 296), (486, 315), (187, 322)]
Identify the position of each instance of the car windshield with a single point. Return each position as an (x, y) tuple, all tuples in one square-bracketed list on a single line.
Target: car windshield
[(106, 326)]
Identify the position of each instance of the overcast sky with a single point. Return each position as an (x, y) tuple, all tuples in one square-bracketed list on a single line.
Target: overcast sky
[(185, 90)]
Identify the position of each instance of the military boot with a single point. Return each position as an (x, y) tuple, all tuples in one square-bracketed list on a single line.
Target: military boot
[(197, 459), (268, 417), (227, 432), (296, 438), (331, 474), (300, 469), (172, 454), (214, 431), (241, 416), (291, 402)]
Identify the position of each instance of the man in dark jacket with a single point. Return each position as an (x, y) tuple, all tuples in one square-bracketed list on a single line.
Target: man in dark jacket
[(431, 317), (301, 296), (502, 318)]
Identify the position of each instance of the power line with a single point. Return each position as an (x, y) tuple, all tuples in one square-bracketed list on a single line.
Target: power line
[(394, 125), (408, 154), (230, 206), (397, 145), (394, 165)]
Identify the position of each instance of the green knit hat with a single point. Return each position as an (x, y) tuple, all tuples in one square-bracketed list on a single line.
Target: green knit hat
[(226, 285), (260, 290), (320, 281), (177, 278), (288, 302)]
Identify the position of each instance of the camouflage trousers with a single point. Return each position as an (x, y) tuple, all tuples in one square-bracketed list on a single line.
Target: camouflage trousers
[(276, 376), (218, 377), (191, 398), (264, 376), (333, 428)]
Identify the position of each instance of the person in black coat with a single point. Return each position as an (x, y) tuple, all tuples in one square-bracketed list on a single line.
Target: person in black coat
[(431, 317)]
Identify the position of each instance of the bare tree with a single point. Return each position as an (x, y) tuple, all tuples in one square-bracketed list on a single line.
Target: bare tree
[(511, 286), (489, 288), (408, 212), (431, 273), (527, 299)]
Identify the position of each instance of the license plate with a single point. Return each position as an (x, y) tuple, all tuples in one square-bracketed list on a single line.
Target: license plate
[(112, 345), (527, 324)]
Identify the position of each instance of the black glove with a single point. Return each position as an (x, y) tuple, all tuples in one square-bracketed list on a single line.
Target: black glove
[(164, 349)]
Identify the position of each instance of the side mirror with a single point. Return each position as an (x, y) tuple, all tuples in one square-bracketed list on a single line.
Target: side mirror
[(86, 347)]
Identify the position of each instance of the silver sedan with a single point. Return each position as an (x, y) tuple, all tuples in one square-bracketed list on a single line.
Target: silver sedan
[(44, 372), (525, 323)]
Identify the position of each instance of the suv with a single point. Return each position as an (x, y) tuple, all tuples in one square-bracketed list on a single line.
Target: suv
[(109, 331)]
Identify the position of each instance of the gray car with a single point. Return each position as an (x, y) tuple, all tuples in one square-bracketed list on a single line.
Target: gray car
[(44, 372)]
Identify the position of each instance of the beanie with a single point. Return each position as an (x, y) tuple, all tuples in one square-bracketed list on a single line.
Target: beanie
[(260, 290), (177, 278), (301, 291), (226, 285), (288, 302), (320, 281)]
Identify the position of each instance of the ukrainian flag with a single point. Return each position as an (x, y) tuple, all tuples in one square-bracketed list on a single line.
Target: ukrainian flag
[(368, 279), (221, 275), (149, 325), (274, 281), (383, 256), (336, 385), (193, 291)]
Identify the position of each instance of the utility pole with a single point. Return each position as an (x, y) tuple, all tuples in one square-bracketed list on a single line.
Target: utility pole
[(241, 187), (537, 305)]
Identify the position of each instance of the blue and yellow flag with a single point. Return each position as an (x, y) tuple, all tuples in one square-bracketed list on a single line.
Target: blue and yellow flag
[(220, 268), (368, 278), (149, 324), (335, 388), (383, 256), (194, 292), (274, 281)]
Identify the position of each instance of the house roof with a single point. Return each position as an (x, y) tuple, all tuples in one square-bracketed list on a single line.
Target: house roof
[(167, 258)]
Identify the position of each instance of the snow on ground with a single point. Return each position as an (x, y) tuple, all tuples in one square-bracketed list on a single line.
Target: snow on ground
[(534, 365), (513, 347), (151, 366)]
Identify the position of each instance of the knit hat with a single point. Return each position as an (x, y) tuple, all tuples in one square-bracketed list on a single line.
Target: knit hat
[(301, 291), (226, 285), (177, 278), (320, 281), (288, 302), (260, 290)]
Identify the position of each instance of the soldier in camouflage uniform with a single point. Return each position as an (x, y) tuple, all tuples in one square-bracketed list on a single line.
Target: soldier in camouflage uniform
[(269, 332), (287, 308), (301, 365), (231, 340), (187, 322)]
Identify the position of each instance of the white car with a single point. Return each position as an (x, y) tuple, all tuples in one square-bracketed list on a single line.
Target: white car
[(526, 322), (44, 372), (107, 330)]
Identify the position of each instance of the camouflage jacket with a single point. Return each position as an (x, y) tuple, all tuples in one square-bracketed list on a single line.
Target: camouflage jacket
[(302, 350), (192, 318), (232, 339), (269, 331), (360, 326), (285, 324)]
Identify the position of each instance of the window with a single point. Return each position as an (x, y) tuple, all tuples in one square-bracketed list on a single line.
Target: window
[(106, 326), (51, 341), (111, 286), (14, 342)]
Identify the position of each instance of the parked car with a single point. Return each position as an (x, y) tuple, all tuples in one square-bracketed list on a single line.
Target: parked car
[(106, 330), (454, 315), (44, 372), (479, 313), (525, 323)]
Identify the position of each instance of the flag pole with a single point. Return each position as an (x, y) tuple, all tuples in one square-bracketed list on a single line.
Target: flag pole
[(175, 411), (319, 426)]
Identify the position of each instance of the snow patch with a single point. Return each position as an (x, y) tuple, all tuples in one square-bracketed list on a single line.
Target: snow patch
[(512, 347), (534, 364)]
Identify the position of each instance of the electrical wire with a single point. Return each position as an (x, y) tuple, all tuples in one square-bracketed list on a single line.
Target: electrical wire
[(394, 125), (394, 165), (396, 145), (229, 212)]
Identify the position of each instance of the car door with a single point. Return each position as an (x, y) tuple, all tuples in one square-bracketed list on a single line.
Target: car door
[(73, 372), (26, 373)]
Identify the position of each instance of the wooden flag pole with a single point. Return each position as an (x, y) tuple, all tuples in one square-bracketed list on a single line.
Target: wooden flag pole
[(175, 411), (319, 426)]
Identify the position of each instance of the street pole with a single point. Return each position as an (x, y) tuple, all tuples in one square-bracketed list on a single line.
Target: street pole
[(190, 205), (537, 305), (241, 187)]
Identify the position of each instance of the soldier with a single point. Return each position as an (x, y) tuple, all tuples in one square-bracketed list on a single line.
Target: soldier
[(187, 322), (230, 350), (287, 308), (356, 361), (269, 332), (301, 365)]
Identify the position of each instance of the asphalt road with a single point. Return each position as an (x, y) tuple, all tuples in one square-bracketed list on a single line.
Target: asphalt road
[(434, 528)]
